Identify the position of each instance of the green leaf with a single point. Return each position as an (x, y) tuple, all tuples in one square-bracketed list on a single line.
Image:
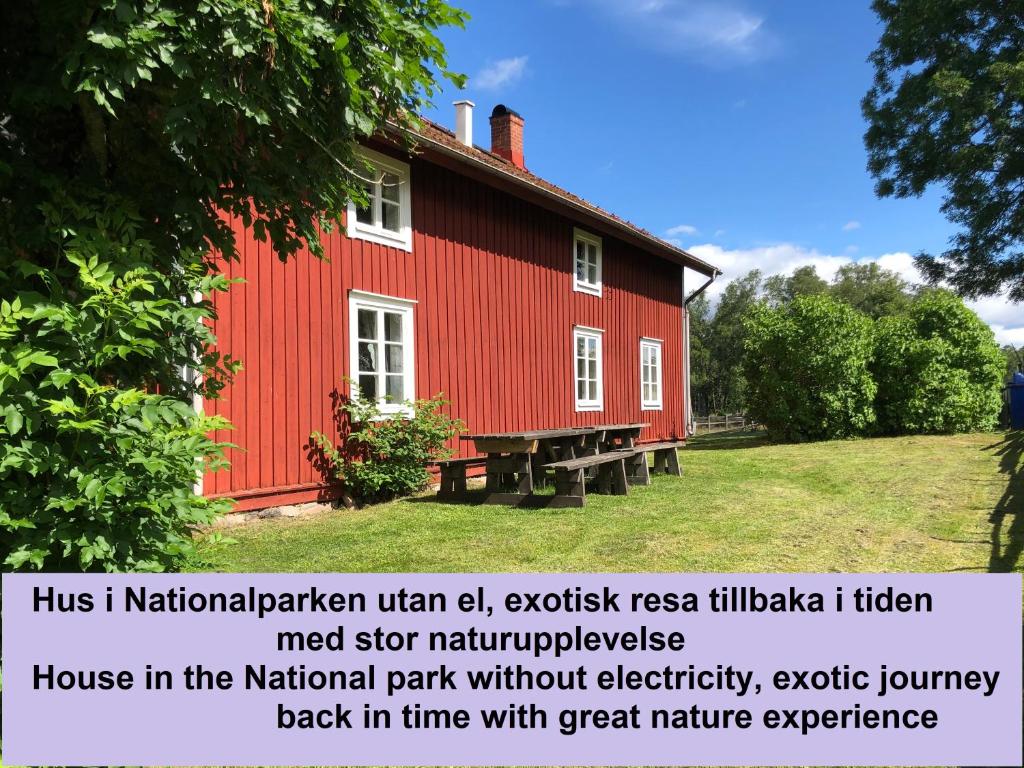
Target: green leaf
[(13, 419)]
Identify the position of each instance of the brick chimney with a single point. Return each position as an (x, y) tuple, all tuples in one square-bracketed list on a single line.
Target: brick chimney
[(507, 135)]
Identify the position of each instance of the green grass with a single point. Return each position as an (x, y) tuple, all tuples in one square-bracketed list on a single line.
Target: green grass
[(949, 503)]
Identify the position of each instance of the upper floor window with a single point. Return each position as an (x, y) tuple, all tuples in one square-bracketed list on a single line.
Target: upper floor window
[(589, 374), (386, 218), (587, 251), (650, 375), (382, 356)]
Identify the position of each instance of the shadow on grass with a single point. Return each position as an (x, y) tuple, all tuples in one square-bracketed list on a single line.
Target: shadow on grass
[(728, 441), (1007, 519)]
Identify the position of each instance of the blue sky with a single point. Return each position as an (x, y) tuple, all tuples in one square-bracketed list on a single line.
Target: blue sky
[(730, 126)]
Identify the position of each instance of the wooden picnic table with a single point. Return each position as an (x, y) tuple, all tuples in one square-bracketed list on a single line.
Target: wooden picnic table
[(516, 459)]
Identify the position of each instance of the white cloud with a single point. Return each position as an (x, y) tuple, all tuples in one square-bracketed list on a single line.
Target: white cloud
[(718, 30), (1005, 318), (681, 229), (850, 226), (501, 73)]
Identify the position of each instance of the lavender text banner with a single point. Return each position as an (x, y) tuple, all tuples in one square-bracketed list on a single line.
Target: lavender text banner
[(542, 669)]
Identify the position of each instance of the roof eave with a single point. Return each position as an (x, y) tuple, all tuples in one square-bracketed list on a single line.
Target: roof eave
[(649, 243)]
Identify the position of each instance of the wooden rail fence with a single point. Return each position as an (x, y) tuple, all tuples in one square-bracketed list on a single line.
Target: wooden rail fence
[(722, 422)]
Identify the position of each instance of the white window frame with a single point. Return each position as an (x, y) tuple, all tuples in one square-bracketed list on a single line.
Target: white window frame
[(652, 404), (376, 233), (580, 236), (597, 335), (373, 301)]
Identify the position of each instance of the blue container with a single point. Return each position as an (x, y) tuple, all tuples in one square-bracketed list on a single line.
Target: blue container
[(1016, 405)]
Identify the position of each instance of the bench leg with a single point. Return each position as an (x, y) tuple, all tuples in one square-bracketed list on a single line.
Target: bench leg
[(493, 475), (673, 463), (604, 478), (570, 489), (446, 488), (525, 481), (459, 487), (637, 471), (537, 462), (619, 485), (659, 462)]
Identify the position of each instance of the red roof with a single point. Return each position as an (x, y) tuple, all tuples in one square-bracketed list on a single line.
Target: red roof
[(444, 140)]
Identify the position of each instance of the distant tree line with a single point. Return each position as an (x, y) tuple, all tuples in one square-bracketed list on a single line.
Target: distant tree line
[(867, 353)]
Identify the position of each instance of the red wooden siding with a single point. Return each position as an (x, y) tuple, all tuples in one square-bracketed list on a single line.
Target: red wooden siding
[(492, 275)]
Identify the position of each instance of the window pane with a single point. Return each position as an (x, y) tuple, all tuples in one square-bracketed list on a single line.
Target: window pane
[(393, 357), (592, 274), (364, 214), (390, 187), (592, 349), (392, 326), (396, 388), (581, 271), (647, 392), (581, 390), (368, 386), (367, 324), (593, 390), (592, 370), (367, 357), (581, 347), (581, 368), (391, 216)]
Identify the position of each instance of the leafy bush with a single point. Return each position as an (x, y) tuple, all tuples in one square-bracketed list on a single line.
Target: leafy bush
[(807, 369), (938, 369), (97, 473), (387, 456)]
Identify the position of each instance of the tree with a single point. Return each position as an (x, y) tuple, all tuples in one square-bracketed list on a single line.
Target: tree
[(725, 342), (782, 289), (946, 108), (938, 369), (128, 131), (699, 313), (806, 366), (870, 289), (1014, 361)]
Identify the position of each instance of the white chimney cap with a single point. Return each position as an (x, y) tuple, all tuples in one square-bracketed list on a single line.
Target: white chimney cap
[(464, 121)]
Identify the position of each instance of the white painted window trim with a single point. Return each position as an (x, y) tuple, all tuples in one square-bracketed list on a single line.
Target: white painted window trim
[(375, 233), (594, 289), (364, 300), (659, 403), (582, 406)]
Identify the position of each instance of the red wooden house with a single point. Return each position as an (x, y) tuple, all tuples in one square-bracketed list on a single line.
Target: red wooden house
[(525, 305)]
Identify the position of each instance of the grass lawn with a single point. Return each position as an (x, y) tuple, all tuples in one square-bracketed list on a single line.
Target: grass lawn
[(901, 504)]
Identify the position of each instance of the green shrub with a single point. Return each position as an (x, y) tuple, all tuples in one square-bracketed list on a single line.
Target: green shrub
[(96, 471), (938, 369), (806, 366), (387, 456)]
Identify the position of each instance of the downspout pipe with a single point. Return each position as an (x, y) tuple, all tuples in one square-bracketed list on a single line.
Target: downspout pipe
[(687, 401)]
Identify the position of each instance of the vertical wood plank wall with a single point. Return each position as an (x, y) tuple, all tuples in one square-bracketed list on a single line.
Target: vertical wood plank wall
[(492, 275)]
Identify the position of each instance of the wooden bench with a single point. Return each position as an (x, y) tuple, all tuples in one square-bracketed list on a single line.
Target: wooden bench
[(665, 458), (570, 479), (453, 475)]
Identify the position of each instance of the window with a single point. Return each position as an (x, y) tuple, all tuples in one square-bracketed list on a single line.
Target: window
[(386, 218), (587, 250), (381, 346), (589, 376), (650, 375)]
